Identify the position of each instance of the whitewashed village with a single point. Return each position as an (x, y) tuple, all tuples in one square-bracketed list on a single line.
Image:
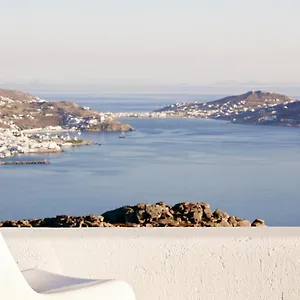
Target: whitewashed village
[(30, 125)]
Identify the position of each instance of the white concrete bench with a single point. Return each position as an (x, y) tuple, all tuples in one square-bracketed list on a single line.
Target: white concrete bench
[(36, 284)]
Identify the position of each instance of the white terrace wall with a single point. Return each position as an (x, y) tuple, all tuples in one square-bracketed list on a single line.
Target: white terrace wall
[(171, 263)]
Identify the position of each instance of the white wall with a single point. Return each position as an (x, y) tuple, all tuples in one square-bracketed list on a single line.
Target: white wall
[(171, 263)]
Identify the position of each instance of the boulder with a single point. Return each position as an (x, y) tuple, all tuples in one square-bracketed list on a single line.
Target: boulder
[(258, 223), (120, 215), (243, 223), (232, 221)]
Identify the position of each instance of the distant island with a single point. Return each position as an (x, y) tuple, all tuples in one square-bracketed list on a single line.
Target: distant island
[(254, 107), (185, 214)]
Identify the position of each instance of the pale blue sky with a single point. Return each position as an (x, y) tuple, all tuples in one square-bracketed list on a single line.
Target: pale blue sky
[(155, 41)]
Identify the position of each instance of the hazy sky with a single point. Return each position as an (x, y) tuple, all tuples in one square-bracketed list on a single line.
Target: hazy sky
[(155, 41)]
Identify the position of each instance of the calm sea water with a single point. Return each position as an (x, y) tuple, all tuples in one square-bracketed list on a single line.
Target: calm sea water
[(248, 171), (127, 102)]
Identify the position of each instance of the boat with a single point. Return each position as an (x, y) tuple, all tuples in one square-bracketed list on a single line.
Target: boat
[(122, 135)]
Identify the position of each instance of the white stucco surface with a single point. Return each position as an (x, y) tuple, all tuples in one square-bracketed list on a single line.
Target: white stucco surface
[(171, 263)]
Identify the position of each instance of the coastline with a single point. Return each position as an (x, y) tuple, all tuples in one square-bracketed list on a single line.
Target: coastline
[(131, 115), (74, 142), (18, 143)]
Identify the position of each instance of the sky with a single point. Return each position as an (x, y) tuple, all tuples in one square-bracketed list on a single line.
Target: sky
[(192, 42)]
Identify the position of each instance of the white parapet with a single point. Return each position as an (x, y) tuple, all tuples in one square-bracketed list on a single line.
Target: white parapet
[(171, 263)]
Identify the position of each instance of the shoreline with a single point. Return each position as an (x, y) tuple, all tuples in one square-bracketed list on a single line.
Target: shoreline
[(212, 119), (37, 141), (74, 141)]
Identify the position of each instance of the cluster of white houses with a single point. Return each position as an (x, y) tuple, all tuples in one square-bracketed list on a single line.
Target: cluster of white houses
[(84, 123), (15, 142), (70, 121), (116, 115), (208, 110), (215, 110)]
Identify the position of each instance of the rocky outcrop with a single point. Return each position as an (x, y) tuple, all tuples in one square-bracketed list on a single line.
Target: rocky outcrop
[(184, 214), (111, 125)]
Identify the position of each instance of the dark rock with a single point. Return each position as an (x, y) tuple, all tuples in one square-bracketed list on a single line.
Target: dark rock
[(220, 215), (232, 221), (179, 207), (258, 223), (217, 214), (123, 214), (11, 223), (141, 216)]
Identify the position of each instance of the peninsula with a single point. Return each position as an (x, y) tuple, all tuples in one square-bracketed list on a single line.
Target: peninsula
[(254, 107), (24, 118), (22, 111)]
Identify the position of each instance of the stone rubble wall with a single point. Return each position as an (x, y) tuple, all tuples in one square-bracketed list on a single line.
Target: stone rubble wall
[(184, 214)]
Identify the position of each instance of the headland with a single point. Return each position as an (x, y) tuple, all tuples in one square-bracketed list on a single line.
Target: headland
[(252, 108), (27, 124)]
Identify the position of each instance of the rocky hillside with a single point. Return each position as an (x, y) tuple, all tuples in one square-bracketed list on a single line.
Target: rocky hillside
[(23, 111), (184, 214), (282, 115), (253, 99), (16, 95), (255, 107)]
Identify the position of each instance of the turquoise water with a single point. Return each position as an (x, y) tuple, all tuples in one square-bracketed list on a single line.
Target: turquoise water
[(248, 171)]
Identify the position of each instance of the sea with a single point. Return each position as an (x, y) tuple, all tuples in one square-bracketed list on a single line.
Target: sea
[(247, 171)]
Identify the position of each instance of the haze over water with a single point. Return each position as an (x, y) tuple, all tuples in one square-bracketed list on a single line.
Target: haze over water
[(247, 171)]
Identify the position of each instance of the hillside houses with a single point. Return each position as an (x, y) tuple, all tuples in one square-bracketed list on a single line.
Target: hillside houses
[(254, 106), (14, 143), (83, 123)]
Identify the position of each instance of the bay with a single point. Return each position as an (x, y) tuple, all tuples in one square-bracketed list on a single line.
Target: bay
[(247, 171)]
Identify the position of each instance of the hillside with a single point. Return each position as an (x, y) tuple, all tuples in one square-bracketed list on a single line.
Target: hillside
[(24, 111), (16, 95), (253, 99), (255, 107), (282, 114)]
